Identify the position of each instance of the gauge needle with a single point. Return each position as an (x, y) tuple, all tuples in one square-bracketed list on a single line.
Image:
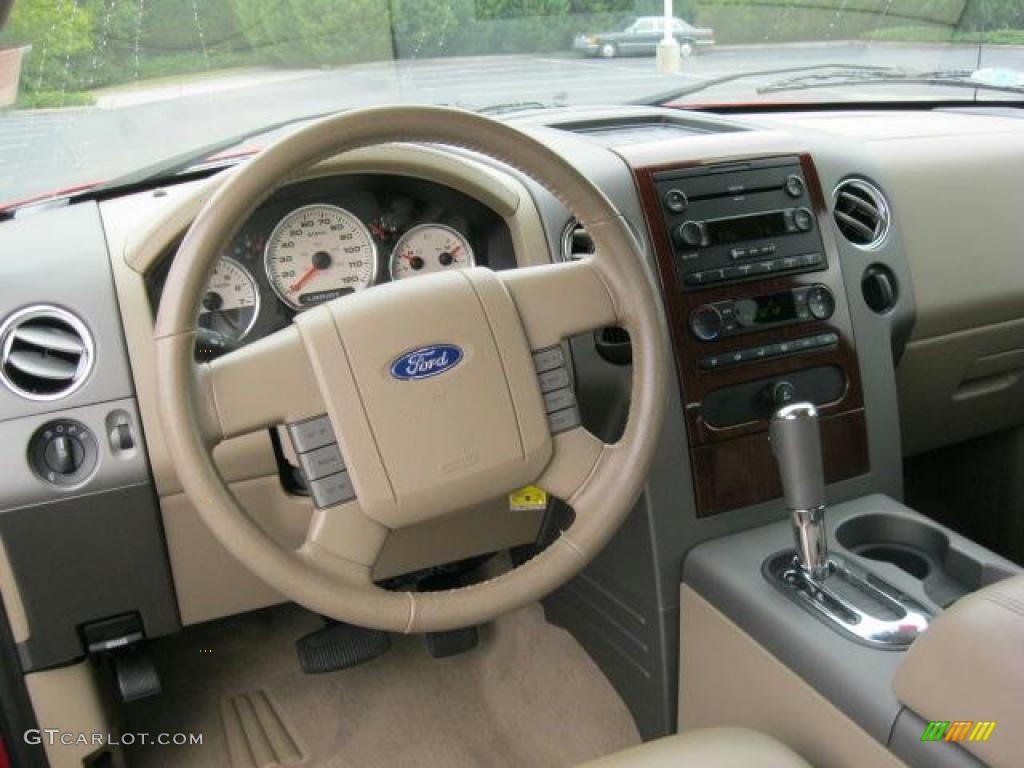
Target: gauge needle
[(304, 279)]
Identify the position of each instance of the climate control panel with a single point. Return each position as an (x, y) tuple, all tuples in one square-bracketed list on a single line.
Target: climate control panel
[(732, 317)]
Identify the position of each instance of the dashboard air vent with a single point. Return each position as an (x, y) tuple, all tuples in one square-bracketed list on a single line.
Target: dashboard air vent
[(46, 353), (861, 213), (576, 243)]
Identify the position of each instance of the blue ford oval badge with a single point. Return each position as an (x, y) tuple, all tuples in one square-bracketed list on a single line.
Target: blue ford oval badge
[(425, 362)]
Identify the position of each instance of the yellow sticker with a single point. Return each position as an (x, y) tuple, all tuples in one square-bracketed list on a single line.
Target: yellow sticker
[(528, 499)]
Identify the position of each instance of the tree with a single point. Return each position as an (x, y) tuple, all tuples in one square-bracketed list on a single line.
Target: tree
[(57, 30)]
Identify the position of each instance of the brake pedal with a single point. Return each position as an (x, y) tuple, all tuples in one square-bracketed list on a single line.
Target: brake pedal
[(340, 646)]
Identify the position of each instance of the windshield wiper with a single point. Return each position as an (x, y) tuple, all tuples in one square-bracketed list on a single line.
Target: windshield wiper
[(508, 107), (953, 78), (678, 93)]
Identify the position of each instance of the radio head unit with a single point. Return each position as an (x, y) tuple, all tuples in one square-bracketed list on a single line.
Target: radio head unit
[(739, 221)]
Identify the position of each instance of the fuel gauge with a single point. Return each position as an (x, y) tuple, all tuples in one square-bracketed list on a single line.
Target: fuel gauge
[(430, 248)]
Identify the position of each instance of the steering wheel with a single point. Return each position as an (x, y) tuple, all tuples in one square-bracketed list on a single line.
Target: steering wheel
[(416, 448)]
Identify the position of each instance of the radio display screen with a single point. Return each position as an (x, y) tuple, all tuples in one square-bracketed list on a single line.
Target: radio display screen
[(739, 228), (766, 310)]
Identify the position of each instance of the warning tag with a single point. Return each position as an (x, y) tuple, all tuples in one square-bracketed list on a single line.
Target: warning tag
[(528, 499)]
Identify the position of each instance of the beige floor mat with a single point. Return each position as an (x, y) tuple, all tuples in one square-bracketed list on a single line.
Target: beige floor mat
[(527, 696)]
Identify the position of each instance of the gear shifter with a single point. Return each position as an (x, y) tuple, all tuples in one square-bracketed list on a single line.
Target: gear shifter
[(796, 443), (841, 592)]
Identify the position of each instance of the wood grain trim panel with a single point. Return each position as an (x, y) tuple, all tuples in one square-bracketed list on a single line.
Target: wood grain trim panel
[(722, 483)]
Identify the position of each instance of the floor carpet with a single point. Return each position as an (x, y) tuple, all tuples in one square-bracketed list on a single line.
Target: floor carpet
[(528, 695)]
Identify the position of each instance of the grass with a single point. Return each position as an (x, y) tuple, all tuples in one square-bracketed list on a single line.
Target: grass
[(54, 99), (938, 34)]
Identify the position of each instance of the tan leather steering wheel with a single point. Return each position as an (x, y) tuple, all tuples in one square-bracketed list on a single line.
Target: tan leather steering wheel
[(415, 449)]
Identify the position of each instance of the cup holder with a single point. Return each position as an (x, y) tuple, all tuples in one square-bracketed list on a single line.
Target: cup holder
[(903, 558), (917, 549)]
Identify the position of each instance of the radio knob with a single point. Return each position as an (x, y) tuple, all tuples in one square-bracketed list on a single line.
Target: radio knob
[(706, 322), (676, 201), (821, 302), (690, 233), (803, 219)]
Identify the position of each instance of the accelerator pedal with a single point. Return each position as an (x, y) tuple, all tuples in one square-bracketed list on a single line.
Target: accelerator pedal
[(444, 644), (340, 646)]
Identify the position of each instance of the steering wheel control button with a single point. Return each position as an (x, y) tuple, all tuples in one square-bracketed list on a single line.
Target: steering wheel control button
[(706, 322), (322, 462), (548, 359), (559, 399), (63, 453), (331, 490), (821, 302), (556, 389), (311, 434), (676, 201), (563, 421), (553, 379)]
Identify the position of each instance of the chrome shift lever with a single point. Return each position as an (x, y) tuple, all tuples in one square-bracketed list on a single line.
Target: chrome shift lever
[(796, 443)]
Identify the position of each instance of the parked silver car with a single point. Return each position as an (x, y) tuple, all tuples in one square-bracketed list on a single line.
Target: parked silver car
[(642, 37)]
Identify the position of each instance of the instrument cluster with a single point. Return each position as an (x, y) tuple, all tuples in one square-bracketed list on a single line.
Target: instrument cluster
[(326, 238)]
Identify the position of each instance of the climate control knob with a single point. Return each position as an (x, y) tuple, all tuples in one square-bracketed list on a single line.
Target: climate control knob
[(706, 323), (690, 233)]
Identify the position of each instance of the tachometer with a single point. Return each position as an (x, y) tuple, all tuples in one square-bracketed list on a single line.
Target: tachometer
[(429, 248), (231, 301), (317, 253)]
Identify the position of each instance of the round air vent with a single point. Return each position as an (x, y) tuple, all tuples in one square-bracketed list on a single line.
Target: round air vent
[(576, 242), (861, 213), (46, 353)]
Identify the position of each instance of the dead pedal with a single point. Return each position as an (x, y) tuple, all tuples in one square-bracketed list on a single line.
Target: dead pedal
[(340, 646)]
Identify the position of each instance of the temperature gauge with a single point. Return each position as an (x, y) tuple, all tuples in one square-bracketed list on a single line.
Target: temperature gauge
[(429, 248)]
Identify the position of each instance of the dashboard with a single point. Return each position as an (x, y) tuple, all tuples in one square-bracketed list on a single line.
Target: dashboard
[(937, 362), (329, 237)]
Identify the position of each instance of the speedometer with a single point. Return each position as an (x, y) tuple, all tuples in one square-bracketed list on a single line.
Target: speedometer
[(429, 248), (317, 253)]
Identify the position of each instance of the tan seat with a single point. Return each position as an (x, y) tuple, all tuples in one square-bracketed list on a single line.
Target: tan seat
[(706, 748)]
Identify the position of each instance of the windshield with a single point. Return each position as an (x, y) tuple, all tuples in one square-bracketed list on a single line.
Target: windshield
[(92, 91)]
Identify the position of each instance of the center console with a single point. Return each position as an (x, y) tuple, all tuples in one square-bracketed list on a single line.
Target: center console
[(758, 317)]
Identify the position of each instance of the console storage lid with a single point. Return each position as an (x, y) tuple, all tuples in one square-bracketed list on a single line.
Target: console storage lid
[(968, 664)]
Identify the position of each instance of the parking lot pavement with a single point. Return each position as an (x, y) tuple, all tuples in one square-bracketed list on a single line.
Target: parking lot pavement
[(42, 150)]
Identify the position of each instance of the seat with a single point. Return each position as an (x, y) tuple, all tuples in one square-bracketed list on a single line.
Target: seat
[(706, 748)]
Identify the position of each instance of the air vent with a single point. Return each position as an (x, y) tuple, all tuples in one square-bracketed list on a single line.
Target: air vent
[(576, 242), (861, 213), (46, 353)]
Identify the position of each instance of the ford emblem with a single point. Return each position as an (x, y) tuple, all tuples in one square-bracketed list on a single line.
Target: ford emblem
[(425, 362)]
